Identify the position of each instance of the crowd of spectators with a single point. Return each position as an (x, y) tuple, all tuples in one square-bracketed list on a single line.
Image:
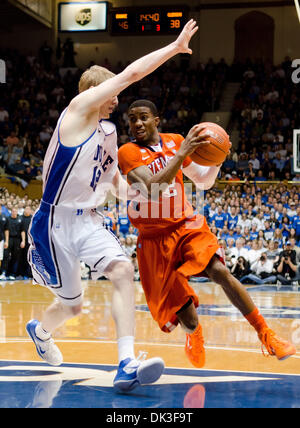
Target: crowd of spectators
[(259, 230), (265, 112)]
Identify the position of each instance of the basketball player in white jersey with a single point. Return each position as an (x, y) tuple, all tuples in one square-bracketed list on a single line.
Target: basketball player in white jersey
[(80, 163)]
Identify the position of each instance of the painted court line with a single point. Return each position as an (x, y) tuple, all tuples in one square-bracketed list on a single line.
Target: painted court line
[(174, 345)]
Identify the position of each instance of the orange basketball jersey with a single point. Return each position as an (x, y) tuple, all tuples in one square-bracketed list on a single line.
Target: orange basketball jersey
[(172, 207)]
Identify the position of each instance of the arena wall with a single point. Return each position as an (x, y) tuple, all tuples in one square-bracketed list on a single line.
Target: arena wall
[(215, 39)]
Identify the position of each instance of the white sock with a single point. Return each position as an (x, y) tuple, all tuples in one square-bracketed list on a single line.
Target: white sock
[(126, 347), (41, 333)]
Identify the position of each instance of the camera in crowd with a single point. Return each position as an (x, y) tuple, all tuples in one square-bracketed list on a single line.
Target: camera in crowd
[(286, 254), (286, 257), (263, 258)]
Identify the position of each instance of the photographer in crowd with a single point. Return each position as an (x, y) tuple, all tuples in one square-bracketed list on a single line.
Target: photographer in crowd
[(287, 266), (240, 268), (261, 272)]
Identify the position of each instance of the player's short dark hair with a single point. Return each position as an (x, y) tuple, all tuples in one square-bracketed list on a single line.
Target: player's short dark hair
[(145, 103)]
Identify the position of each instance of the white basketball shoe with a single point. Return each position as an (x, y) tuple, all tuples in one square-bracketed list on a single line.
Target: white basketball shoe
[(46, 349)]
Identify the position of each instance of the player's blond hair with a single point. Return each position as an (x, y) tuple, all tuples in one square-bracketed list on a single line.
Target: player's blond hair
[(93, 76)]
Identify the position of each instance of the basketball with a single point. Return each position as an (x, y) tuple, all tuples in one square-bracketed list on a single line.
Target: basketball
[(216, 152)]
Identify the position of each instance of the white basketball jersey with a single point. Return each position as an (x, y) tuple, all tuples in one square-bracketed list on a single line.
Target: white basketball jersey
[(80, 176)]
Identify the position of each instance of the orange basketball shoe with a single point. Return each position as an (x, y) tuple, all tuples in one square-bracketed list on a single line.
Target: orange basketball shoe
[(194, 347), (275, 345)]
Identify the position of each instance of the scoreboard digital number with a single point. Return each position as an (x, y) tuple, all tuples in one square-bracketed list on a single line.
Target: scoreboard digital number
[(151, 21)]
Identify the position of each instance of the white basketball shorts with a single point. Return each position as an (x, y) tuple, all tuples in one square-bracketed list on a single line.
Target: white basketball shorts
[(60, 238)]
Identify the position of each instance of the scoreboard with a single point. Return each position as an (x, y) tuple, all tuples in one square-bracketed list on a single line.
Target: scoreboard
[(148, 20)]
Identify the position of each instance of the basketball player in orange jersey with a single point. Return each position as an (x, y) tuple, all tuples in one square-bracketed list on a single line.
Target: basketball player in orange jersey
[(178, 244)]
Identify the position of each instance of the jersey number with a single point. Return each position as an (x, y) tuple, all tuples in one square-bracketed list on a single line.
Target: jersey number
[(96, 177)]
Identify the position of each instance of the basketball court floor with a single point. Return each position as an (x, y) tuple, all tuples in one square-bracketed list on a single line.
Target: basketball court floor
[(236, 373)]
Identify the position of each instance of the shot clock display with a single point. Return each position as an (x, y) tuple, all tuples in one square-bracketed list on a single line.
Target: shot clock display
[(152, 20)]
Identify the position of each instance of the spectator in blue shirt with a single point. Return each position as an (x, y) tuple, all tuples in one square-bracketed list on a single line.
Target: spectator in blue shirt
[(219, 218), (237, 233), (279, 162), (232, 218), (229, 164), (108, 222), (5, 211), (123, 225), (296, 224), (269, 231), (224, 234), (206, 211), (260, 176)]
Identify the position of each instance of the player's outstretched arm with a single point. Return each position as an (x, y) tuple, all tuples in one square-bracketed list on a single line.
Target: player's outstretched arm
[(93, 98)]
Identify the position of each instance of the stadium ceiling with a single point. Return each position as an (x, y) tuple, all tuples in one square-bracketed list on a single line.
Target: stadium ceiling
[(13, 14)]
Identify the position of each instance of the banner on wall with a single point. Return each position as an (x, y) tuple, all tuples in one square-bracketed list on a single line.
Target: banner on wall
[(82, 16)]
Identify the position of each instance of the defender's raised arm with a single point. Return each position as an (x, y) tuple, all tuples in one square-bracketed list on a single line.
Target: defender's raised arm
[(93, 98)]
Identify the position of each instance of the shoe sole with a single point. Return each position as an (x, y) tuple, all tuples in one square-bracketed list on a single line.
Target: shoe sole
[(150, 370), (292, 352), (126, 385), (284, 358), (197, 364)]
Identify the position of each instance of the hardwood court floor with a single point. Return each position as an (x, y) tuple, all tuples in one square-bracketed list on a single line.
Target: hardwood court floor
[(88, 343)]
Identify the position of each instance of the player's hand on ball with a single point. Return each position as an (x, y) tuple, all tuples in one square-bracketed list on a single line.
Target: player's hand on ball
[(194, 139), (182, 42)]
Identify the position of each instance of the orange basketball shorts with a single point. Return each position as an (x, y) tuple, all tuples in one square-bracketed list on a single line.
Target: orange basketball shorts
[(167, 260)]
